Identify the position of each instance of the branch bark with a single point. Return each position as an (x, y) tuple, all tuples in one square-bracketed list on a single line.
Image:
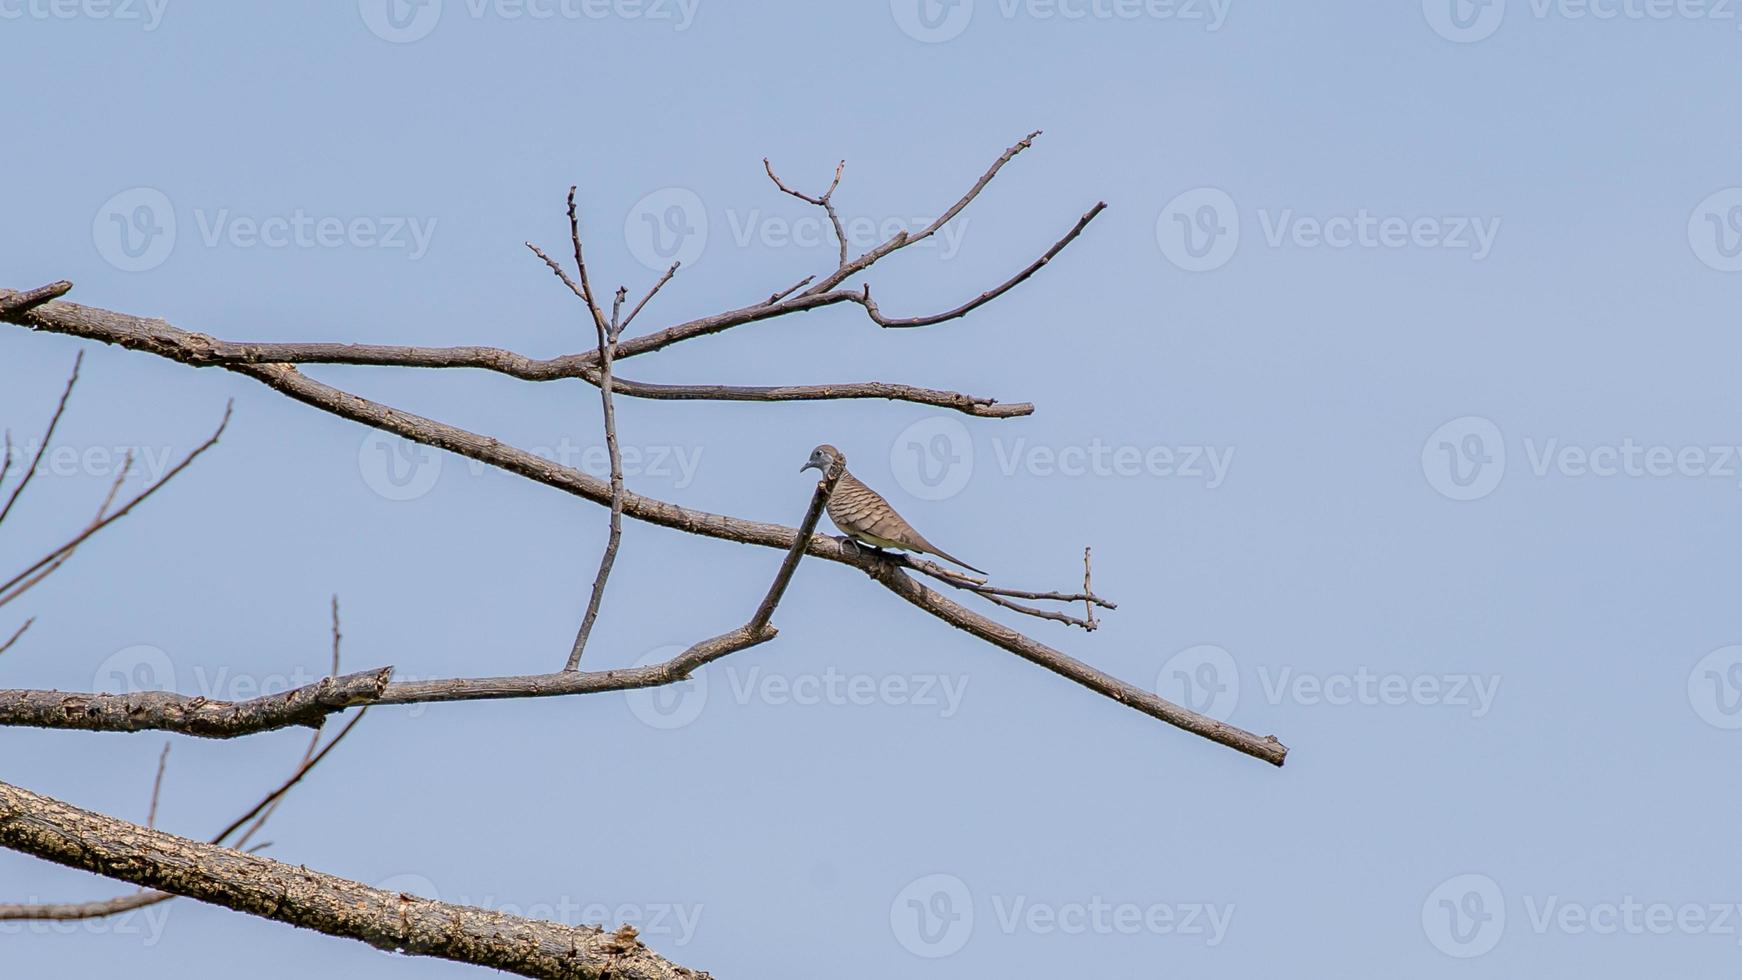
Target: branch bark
[(307, 706), (64, 834)]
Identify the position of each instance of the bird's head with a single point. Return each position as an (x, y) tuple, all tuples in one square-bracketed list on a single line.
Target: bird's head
[(823, 457)]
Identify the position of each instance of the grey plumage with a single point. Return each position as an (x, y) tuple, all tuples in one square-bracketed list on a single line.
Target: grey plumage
[(863, 515)]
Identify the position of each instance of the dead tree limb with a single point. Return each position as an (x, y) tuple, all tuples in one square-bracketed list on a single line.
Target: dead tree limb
[(64, 834)]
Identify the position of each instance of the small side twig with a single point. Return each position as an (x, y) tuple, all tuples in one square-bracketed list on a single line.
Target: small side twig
[(650, 294), (825, 201), (8, 644), (788, 291), (1088, 592), (42, 447), (157, 786), (30, 299), (11, 588)]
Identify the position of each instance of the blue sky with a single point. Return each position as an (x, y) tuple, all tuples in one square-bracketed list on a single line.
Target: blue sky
[(1394, 390)]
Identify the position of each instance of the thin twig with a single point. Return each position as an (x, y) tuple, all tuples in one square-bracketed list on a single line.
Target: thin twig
[(788, 291), (990, 294), (825, 202), (581, 264), (650, 294), (902, 239), (1088, 592), (7, 593), (30, 471), (8, 644), (608, 335), (66, 555), (157, 785), (6, 458), (285, 787)]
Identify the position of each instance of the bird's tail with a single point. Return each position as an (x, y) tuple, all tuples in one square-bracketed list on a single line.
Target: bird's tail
[(946, 556)]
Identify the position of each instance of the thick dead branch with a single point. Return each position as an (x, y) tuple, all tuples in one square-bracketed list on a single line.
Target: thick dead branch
[(199, 350), (306, 706), (254, 819), (55, 831)]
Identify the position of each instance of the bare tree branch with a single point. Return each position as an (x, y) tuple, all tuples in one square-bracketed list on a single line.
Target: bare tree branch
[(608, 334), (259, 813), (167, 341), (157, 786), (294, 384), (54, 420), (8, 644), (54, 831), (990, 294), (657, 286), (32, 298), (903, 239), (1088, 591), (12, 589), (198, 350), (823, 202), (306, 706)]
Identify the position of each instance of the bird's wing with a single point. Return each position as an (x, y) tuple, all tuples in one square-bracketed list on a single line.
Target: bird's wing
[(859, 510)]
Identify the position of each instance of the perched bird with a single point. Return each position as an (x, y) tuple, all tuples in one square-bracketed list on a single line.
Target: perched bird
[(866, 517)]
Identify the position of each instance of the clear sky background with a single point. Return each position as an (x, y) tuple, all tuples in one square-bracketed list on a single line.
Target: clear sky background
[(1450, 292)]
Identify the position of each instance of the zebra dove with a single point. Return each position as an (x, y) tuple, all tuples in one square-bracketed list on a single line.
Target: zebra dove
[(866, 517)]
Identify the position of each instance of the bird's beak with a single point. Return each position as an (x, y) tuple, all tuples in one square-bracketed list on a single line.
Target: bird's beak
[(807, 466)]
